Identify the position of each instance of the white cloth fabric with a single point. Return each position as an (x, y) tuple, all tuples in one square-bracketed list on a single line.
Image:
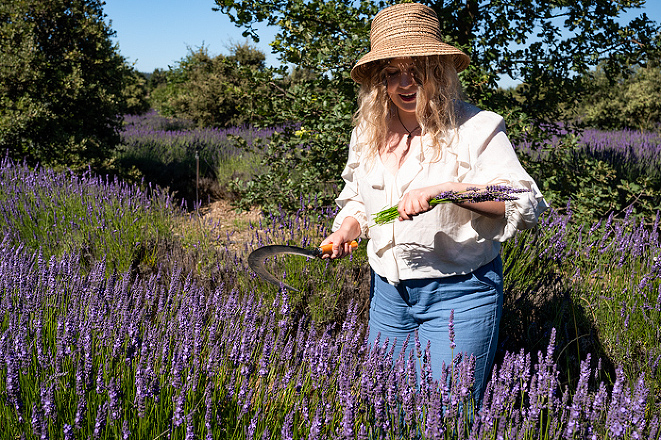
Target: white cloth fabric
[(447, 240)]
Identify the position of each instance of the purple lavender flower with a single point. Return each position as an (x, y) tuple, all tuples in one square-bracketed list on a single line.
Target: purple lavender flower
[(453, 345), (48, 400), (178, 414), (286, 432), (81, 411), (316, 425), (252, 426), (190, 427), (39, 425), (101, 419), (498, 193), (100, 382), (67, 432), (114, 400), (126, 432), (362, 432), (580, 401), (13, 385)]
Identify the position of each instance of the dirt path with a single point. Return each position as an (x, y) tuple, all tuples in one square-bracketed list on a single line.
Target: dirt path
[(231, 227)]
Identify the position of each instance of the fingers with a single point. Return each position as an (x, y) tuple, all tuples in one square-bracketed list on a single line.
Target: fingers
[(413, 203), (341, 246)]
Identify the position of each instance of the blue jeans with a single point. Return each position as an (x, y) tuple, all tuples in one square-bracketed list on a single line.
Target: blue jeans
[(425, 305)]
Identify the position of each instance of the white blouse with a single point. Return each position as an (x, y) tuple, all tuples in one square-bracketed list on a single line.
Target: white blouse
[(448, 239)]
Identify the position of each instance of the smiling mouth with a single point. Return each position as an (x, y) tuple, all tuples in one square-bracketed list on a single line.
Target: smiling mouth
[(408, 97)]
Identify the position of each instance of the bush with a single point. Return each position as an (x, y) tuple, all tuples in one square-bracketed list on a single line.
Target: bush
[(209, 90), (62, 83)]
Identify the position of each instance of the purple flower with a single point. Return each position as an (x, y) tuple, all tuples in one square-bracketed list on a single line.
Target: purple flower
[(48, 401), (190, 427), (81, 411), (114, 399), (126, 432), (39, 425), (67, 431), (316, 425), (12, 382), (580, 401), (252, 426), (101, 418), (286, 432), (453, 345), (178, 413)]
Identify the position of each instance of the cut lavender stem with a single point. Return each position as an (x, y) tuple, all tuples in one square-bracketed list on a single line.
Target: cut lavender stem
[(494, 193)]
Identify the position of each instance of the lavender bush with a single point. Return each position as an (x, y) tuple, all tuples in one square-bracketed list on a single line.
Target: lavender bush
[(89, 349), (611, 271), (166, 151), (96, 357), (638, 152), (95, 217), (635, 152), (600, 172)]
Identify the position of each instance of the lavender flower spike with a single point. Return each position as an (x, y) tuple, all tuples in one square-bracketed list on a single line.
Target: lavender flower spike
[(453, 344), (496, 193)]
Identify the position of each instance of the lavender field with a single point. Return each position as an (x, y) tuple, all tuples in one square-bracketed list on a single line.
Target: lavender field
[(92, 346), (173, 152)]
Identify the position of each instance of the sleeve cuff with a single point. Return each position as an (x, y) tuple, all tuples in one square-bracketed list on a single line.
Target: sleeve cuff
[(520, 214), (352, 209)]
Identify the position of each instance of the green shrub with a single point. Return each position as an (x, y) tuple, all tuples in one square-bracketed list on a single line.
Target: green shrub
[(62, 83)]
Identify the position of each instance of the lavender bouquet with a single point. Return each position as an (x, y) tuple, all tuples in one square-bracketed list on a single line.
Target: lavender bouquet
[(496, 193)]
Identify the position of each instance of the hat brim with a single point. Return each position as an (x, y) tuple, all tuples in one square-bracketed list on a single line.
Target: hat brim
[(459, 58)]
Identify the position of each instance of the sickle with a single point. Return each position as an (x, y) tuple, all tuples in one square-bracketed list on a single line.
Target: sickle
[(257, 257)]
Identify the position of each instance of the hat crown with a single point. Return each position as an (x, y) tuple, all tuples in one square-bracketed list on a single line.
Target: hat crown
[(411, 21), (406, 30)]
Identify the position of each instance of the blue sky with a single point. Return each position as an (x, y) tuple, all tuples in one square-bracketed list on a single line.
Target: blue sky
[(157, 33)]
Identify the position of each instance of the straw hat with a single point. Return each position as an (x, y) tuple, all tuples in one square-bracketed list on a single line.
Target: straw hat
[(406, 30)]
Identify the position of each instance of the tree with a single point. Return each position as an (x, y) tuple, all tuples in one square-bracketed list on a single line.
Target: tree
[(62, 82), (548, 45), (135, 93), (626, 100), (642, 109), (210, 90), (156, 79)]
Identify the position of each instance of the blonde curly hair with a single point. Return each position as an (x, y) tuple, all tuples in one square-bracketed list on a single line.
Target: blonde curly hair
[(438, 89)]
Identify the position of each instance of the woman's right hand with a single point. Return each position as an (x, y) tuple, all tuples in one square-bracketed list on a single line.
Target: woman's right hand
[(342, 238)]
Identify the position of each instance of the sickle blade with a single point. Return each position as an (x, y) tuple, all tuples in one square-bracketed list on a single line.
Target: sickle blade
[(257, 258)]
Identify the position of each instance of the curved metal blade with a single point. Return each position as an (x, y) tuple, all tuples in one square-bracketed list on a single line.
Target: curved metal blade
[(257, 257)]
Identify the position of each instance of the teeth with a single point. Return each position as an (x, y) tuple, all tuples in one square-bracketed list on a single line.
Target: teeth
[(410, 95)]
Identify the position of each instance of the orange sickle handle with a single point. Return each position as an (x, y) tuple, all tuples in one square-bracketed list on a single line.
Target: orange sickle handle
[(328, 248)]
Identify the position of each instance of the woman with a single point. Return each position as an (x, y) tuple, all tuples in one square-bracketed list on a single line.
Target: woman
[(414, 139)]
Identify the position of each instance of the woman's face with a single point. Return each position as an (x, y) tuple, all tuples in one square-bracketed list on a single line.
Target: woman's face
[(402, 81)]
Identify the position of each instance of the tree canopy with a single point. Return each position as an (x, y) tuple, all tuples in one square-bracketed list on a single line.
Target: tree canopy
[(550, 46), (627, 100), (62, 82), (210, 90)]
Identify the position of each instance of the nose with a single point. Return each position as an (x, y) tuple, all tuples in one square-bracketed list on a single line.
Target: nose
[(406, 79)]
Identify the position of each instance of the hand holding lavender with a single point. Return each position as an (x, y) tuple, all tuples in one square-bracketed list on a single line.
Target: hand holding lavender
[(495, 193)]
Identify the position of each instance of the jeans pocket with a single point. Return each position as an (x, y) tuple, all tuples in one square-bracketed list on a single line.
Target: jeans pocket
[(490, 275)]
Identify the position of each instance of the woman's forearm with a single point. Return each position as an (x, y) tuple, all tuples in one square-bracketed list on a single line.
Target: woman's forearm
[(489, 209)]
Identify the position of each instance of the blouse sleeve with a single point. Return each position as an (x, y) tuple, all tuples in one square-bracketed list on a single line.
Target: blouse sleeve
[(494, 162), (349, 200)]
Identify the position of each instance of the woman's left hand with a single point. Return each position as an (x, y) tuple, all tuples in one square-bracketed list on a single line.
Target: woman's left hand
[(416, 201)]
